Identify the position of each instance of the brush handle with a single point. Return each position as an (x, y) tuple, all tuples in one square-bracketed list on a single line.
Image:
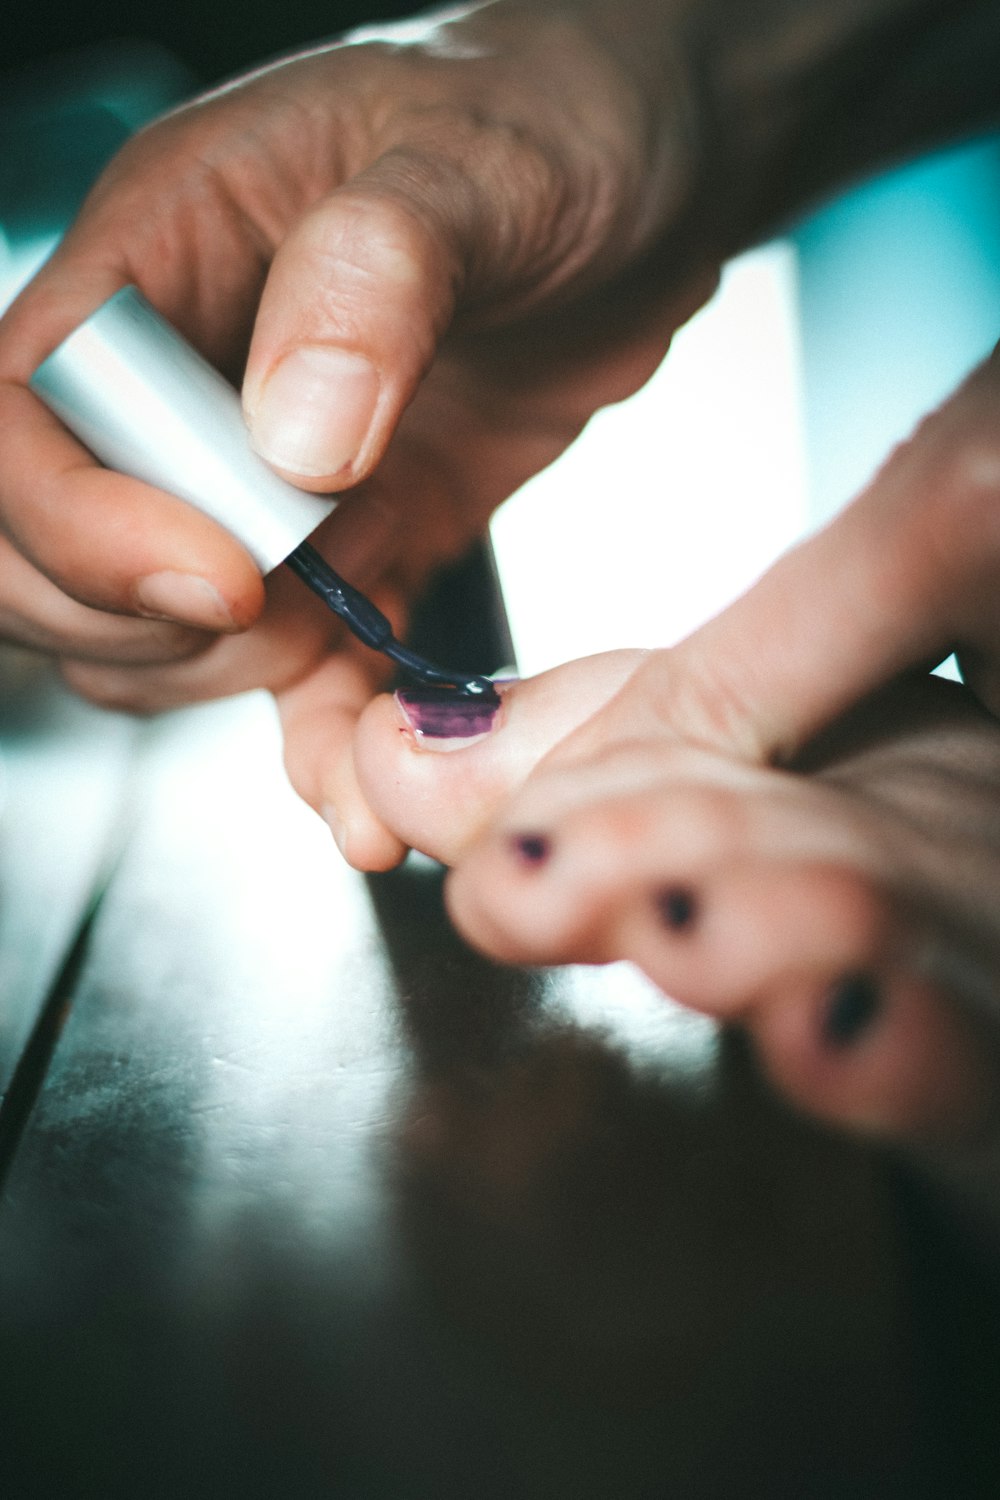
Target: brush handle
[(147, 404)]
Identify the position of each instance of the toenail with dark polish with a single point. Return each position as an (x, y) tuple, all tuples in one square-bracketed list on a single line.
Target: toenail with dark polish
[(852, 1006), (435, 713), (531, 848), (678, 907)]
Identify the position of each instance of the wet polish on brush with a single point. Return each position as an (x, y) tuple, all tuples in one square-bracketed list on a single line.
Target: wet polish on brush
[(444, 714), (147, 404)]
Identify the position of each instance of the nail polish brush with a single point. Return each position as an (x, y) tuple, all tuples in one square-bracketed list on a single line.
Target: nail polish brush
[(147, 404)]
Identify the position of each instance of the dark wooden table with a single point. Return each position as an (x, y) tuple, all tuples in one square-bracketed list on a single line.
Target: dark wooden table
[(302, 1198)]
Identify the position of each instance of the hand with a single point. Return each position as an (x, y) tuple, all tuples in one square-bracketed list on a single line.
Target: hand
[(434, 260)]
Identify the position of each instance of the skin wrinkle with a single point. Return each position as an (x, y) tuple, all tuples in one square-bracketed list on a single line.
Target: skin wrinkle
[(330, 150), (622, 152), (692, 701), (264, 220), (533, 251), (432, 203), (346, 277)]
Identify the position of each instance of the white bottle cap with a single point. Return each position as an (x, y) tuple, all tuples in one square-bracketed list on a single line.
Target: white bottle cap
[(147, 404)]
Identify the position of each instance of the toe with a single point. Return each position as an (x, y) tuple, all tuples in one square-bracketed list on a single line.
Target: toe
[(318, 718), (719, 937), (707, 884), (439, 791), (809, 956), (883, 1052), (709, 921)]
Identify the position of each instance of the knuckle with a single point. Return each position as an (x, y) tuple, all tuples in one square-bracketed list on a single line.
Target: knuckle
[(359, 232), (541, 206), (369, 251)]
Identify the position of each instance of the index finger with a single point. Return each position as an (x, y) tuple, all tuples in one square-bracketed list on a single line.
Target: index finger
[(107, 541), (112, 542)]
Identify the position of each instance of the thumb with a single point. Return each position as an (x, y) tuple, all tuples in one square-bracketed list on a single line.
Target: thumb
[(356, 300)]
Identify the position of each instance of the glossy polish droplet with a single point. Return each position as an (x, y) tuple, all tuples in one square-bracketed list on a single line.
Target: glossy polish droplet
[(446, 714), (852, 1007)]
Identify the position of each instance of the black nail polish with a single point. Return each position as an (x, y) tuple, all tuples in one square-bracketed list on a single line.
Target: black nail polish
[(531, 848), (851, 1008), (678, 907)]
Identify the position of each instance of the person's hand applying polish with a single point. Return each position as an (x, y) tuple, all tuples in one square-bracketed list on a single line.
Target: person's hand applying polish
[(430, 256)]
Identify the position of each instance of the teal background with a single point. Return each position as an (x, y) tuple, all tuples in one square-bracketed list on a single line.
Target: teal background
[(899, 298)]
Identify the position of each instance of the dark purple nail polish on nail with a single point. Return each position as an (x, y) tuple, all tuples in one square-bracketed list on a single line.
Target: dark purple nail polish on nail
[(851, 1008), (531, 848), (443, 714), (678, 907)]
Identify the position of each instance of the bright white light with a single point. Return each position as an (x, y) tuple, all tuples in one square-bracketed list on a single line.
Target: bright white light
[(18, 263), (670, 504), (430, 32)]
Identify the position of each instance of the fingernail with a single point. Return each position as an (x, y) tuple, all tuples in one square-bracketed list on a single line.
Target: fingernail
[(444, 719), (531, 848), (677, 907), (314, 410), (183, 597), (852, 1006)]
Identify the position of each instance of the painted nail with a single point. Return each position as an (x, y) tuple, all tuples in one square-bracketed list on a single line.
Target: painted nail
[(677, 907), (183, 597), (441, 715), (852, 1006), (314, 411), (531, 848)]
